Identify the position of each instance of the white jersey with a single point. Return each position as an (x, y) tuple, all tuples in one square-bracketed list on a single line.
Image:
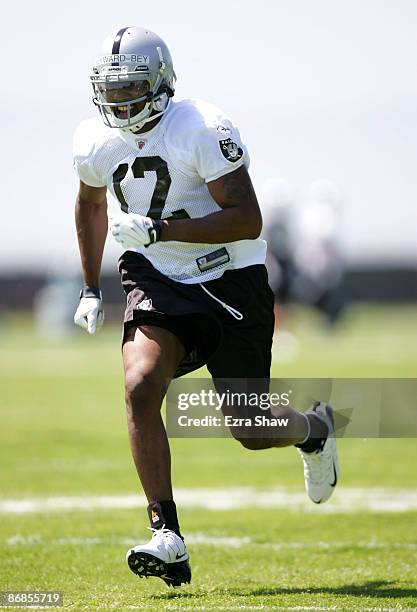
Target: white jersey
[(163, 174)]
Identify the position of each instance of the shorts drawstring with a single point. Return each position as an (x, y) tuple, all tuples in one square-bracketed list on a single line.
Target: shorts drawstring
[(235, 313)]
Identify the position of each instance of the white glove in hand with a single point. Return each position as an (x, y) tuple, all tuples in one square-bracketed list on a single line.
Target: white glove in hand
[(132, 230), (89, 315)]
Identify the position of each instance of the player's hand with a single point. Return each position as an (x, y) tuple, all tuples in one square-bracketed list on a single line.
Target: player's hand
[(90, 314), (132, 230)]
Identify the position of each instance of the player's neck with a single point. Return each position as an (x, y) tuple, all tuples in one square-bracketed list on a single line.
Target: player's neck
[(149, 126)]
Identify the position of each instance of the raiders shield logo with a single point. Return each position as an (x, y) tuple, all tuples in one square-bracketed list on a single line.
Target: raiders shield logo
[(230, 150)]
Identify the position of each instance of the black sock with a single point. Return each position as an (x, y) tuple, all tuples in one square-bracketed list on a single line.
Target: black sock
[(318, 435), (164, 513)]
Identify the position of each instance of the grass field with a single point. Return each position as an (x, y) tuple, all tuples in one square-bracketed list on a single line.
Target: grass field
[(63, 439)]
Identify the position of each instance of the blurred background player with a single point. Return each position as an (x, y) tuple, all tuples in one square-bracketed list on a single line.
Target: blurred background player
[(318, 257), (277, 200), (305, 259)]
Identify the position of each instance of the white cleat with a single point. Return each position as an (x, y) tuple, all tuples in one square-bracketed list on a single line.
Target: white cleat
[(321, 467), (165, 556)]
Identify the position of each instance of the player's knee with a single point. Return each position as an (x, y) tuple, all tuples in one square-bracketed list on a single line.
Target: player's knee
[(143, 392), (254, 443)]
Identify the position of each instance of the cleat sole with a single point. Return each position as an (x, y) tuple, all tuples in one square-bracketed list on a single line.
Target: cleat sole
[(173, 574)]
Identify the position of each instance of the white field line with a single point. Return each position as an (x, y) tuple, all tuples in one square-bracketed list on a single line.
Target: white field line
[(267, 607), (345, 500), (205, 539), (195, 538)]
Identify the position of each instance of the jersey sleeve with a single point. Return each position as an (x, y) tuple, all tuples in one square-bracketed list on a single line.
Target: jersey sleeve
[(219, 150), (83, 155)]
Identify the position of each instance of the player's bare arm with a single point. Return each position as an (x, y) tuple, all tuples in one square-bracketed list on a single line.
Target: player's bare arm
[(91, 224), (239, 219)]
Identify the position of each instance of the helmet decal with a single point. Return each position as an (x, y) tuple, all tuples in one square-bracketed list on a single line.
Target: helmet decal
[(117, 41)]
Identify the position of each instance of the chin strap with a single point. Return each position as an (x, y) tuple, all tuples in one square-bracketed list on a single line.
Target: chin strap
[(138, 126)]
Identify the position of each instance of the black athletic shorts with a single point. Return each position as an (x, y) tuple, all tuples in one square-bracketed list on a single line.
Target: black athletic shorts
[(230, 348)]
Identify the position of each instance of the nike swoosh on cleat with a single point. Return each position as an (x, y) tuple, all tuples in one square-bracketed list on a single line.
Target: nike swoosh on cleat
[(333, 484), (180, 556)]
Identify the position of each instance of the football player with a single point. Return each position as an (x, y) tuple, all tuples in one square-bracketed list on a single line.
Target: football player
[(193, 269)]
